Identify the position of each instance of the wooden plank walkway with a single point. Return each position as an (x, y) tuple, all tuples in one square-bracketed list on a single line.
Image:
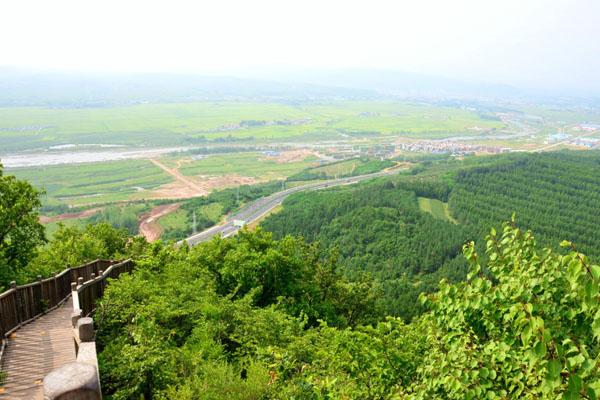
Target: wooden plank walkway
[(36, 349)]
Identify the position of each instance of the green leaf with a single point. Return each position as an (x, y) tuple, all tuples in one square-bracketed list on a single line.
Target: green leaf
[(484, 373), (595, 270), (553, 370), (526, 334), (540, 349)]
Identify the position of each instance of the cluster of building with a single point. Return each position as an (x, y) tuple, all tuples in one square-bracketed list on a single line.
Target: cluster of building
[(450, 147), (589, 127), (590, 143), (557, 137), (381, 151)]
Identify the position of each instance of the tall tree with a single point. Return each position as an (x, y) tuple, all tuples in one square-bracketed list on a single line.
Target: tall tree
[(20, 229)]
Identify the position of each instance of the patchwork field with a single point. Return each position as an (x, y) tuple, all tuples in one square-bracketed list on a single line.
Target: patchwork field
[(192, 123), (254, 165), (94, 183), (118, 181)]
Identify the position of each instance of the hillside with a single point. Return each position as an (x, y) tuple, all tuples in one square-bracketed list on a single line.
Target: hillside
[(556, 194), (388, 228), (254, 318)]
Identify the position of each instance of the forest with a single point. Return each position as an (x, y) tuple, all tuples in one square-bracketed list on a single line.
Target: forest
[(251, 317), (350, 293), (379, 229), (548, 192)]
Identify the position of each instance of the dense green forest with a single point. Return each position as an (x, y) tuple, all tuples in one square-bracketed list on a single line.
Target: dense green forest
[(255, 318), (547, 191), (378, 227)]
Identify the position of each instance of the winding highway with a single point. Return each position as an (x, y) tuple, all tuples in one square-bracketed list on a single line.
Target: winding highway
[(256, 209)]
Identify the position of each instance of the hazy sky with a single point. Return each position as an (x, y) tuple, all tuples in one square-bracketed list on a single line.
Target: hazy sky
[(523, 42)]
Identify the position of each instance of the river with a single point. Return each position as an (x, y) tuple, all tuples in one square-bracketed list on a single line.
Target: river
[(76, 155)]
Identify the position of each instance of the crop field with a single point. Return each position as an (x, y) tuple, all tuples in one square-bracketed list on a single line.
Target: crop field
[(436, 208), (189, 123), (212, 211), (127, 180), (179, 219), (254, 165), (338, 169), (94, 183), (174, 220)]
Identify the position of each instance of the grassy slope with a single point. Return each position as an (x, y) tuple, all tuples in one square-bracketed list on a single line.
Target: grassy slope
[(174, 220), (179, 219), (437, 208)]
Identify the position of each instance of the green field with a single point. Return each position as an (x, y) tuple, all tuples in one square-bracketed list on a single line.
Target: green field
[(436, 208), (338, 169), (94, 183), (190, 123), (52, 227), (179, 219), (244, 164), (175, 220), (212, 211), (116, 181)]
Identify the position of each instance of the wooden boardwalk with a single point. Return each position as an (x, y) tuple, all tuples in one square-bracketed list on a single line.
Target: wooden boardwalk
[(36, 349)]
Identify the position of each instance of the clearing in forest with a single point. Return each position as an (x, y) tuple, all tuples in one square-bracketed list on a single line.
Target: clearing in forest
[(437, 208)]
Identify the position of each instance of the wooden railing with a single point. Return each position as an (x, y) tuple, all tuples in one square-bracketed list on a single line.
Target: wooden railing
[(89, 292), (21, 304), (60, 383)]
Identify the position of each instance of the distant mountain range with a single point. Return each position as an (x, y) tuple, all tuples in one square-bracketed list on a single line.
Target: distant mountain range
[(61, 89)]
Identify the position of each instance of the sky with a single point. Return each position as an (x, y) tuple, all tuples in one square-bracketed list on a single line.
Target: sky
[(527, 43)]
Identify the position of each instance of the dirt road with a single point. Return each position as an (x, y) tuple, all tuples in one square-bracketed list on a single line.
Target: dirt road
[(149, 227), (83, 214), (180, 177)]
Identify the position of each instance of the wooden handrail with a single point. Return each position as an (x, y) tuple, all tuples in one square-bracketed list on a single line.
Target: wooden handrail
[(60, 383), (21, 304), (87, 293)]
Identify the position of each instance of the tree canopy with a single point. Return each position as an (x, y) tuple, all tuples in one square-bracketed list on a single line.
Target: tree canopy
[(186, 325), (20, 229)]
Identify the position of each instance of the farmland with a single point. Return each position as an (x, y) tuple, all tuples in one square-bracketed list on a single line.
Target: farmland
[(186, 150), (118, 181), (253, 165), (191, 123), (95, 183)]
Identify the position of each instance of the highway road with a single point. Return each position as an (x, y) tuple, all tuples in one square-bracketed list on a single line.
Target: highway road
[(254, 210)]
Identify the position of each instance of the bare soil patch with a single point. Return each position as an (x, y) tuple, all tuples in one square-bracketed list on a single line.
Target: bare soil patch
[(149, 227), (203, 186), (82, 214), (292, 156)]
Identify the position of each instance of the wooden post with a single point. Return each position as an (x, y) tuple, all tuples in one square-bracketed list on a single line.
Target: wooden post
[(101, 283), (40, 297), (17, 302), (75, 296)]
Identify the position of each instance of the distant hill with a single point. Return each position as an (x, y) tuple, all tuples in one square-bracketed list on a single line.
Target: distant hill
[(38, 88), (63, 89)]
